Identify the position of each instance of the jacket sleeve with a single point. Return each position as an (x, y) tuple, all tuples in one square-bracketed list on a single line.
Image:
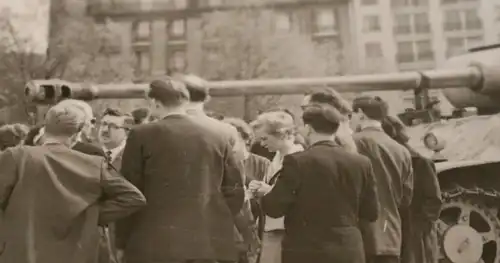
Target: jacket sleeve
[(407, 180), (277, 202), (232, 182), (431, 193), (132, 170), (8, 177), (120, 197), (132, 160), (369, 206)]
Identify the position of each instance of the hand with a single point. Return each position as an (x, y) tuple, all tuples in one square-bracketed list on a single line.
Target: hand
[(254, 185), (120, 256)]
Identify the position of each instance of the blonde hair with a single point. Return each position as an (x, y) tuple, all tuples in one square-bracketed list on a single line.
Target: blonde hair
[(277, 123)]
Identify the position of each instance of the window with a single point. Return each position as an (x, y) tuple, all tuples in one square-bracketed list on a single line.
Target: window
[(369, 2), (424, 50), (452, 20), (406, 3), (402, 24), (325, 21), (475, 41), (177, 61), (214, 2), (177, 28), (405, 52), (142, 30), (455, 20), (472, 20), (143, 60), (373, 50), (455, 46), (371, 23), (180, 4), (283, 22), (421, 23)]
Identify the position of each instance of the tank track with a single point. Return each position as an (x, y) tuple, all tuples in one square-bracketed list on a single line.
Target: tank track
[(486, 200), (488, 195)]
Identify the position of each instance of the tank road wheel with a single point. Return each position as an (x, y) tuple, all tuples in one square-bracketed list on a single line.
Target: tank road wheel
[(468, 232)]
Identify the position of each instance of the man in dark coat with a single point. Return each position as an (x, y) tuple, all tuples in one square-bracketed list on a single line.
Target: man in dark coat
[(420, 242), (53, 198), (192, 183), (323, 192), (393, 174)]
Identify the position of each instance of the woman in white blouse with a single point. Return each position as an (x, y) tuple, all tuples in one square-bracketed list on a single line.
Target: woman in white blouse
[(277, 133)]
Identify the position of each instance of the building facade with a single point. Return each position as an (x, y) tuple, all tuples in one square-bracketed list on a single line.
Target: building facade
[(405, 35), (166, 35)]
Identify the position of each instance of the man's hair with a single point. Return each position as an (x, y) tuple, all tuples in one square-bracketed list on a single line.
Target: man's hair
[(197, 87), (242, 127), (168, 92), (12, 135), (372, 106), (128, 120), (82, 105), (140, 115), (64, 120), (333, 98), (323, 119), (113, 112), (281, 109)]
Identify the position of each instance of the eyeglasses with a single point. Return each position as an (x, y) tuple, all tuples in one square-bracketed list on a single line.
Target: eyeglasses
[(111, 126)]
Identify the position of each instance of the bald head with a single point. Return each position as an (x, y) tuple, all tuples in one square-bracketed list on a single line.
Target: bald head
[(64, 120)]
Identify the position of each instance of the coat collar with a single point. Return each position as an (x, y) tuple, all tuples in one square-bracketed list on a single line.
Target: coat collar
[(325, 143)]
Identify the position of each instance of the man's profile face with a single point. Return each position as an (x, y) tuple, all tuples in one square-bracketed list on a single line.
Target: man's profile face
[(112, 130)]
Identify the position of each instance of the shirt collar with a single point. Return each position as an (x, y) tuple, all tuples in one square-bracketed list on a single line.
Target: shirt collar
[(115, 151)]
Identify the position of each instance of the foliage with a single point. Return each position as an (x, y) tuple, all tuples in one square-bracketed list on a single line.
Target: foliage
[(79, 50), (244, 44)]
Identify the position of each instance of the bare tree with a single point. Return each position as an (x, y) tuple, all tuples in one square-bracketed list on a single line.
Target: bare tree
[(79, 50), (246, 44)]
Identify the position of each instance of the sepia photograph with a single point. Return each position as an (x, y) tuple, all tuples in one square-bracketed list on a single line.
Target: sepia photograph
[(249, 131)]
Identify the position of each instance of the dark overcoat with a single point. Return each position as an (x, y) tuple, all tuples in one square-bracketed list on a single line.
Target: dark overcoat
[(323, 192), (420, 243), (53, 199), (185, 168)]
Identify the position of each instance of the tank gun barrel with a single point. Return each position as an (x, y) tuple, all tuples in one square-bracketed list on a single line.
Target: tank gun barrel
[(51, 91)]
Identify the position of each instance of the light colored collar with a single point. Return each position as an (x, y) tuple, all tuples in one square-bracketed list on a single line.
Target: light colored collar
[(196, 109), (371, 124), (115, 151)]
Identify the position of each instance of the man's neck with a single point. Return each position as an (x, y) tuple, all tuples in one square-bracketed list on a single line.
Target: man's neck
[(370, 124), (314, 138), (111, 146), (58, 140), (176, 111), (195, 108)]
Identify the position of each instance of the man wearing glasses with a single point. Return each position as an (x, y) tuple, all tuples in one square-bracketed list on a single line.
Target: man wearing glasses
[(112, 133)]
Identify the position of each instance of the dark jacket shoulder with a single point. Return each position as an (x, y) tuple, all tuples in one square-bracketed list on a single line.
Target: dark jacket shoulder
[(88, 148)]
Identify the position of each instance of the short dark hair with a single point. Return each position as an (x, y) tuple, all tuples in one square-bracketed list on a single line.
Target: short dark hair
[(140, 115), (113, 112), (333, 98), (323, 119), (196, 86), (372, 106), (168, 92)]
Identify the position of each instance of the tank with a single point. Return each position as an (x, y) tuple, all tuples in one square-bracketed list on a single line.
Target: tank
[(466, 150)]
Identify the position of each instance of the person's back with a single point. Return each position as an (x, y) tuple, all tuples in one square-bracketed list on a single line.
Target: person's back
[(333, 195), (182, 182), (53, 198), (394, 179), (52, 206)]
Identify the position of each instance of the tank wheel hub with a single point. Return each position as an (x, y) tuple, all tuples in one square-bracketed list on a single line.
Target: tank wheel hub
[(469, 231), (462, 244)]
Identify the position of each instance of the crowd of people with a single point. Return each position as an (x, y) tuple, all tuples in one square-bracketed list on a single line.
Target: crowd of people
[(175, 184)]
